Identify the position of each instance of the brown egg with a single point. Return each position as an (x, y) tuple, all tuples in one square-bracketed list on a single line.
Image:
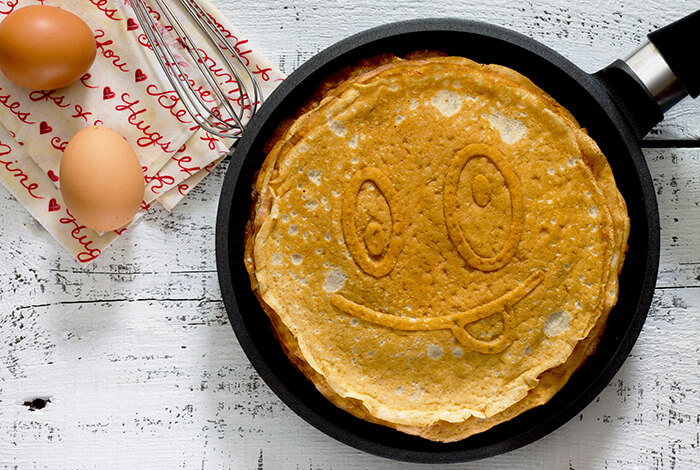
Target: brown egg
[(44, 48), (101, 179)]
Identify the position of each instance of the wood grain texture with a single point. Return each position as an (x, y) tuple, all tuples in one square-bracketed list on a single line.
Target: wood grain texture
[(131, 363), (590, 33)]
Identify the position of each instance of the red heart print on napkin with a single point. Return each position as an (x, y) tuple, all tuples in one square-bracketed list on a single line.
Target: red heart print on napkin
[(53, 205), (140, 76), (108, 93), (131, 24), (44, 128), (52, 176)]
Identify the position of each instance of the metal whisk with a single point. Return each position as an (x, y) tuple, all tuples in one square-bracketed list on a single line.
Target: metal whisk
[(217, 106)]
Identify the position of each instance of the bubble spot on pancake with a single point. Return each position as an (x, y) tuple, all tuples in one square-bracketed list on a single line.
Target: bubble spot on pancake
[(417, 393), (593, 211), (413, 105), (510, 129), (337, 127), (276, 258), (335, 279), (457, 351), (354, 322), (311, 205), (315, 176), (435, 351), (297, 258), (557, 323), (352, 143), (285, 218), (447, 102), (293, 229)]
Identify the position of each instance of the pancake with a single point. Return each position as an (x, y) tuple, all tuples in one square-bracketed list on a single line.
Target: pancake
[(437, 244)]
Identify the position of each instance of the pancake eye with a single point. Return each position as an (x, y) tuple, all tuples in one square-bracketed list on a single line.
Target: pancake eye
[(481, 190), (382, 240), (490, 201), (375, 238)]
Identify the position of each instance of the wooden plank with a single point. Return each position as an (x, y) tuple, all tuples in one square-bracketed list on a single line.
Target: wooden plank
[(678, 193), (137, 348), (590, 33), (151, 383), (137, 367)]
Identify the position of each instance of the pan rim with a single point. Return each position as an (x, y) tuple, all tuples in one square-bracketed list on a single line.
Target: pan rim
[(225, 264)]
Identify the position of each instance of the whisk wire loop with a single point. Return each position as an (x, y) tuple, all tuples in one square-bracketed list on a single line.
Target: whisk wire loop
[(209, 104)]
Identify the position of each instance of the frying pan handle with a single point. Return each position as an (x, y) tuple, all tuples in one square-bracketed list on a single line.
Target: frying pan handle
[(657, 75), (673, 42)]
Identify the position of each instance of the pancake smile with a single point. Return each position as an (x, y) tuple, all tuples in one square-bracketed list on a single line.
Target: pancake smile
[(455, 322)]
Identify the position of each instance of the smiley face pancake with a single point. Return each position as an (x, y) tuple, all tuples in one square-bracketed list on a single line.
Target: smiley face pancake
[(437, 244)]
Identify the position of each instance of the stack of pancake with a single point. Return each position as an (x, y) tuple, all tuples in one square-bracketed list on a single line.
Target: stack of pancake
[(437, 244)]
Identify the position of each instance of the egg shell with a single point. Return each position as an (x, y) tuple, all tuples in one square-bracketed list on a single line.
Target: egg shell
[(101, 179), (44, 48)]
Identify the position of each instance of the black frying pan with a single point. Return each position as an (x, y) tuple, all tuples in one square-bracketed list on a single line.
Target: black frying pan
[(615, 107)]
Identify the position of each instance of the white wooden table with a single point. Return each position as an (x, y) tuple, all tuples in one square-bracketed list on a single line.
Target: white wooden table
[(131, 363)]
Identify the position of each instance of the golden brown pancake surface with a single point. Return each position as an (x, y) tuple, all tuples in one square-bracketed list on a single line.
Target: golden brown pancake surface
[(433, 242)]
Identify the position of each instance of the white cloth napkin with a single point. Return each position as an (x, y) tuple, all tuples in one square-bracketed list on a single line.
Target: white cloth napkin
[(125, 90)]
